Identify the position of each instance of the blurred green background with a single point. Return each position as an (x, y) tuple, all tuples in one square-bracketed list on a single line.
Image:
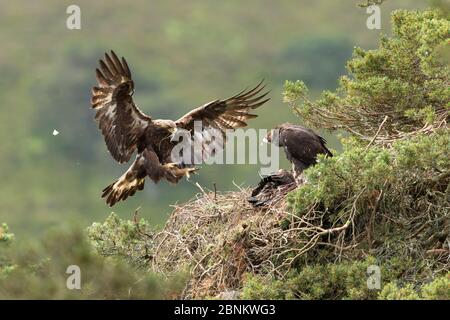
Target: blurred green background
[(182, 54)]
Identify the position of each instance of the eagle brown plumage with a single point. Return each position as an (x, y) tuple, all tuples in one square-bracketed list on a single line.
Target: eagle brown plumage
[(301, 145), (127, 129), (272, 188)]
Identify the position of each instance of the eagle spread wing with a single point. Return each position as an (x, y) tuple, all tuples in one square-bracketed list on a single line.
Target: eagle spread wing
[(231, 113), (225, 114), (119, 119)]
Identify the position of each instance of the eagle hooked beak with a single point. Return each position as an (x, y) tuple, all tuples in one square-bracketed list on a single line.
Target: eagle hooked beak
[(268, 138)]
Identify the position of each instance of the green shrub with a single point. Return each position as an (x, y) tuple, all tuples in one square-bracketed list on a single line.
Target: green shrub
[(40, 272), (387, 194), (438, 289), (403, 82), (6, 239), (392, 292), (345, 280), (5, 236), (115, 237)]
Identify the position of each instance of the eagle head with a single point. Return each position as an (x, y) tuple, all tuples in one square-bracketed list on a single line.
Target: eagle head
[(166, 125), (273, 136)]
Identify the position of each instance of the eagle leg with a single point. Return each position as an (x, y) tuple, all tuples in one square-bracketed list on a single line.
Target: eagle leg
[(174, 173)]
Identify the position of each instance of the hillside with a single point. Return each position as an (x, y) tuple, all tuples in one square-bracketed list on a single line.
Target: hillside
[(182, 54)]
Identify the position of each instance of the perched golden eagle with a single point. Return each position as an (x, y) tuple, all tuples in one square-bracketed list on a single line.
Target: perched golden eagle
[(126, 129), (301, 145)]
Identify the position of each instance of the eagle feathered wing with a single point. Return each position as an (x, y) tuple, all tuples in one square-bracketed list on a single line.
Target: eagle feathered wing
[(119, 119), (231, 113), (225, 114)]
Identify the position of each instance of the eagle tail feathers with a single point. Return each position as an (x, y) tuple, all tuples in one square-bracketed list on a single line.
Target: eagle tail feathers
[(122, 188)]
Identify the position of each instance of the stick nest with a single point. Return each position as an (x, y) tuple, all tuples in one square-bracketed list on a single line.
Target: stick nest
[(221, 238)]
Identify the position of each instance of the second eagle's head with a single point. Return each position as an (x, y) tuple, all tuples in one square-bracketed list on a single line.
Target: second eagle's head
[(273, 136)]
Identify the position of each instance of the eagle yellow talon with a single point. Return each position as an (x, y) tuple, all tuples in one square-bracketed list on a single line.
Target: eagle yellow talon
[(191, 170)]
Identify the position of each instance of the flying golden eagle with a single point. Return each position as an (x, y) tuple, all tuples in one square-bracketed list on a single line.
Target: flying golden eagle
[(301, 145), (126, 129)]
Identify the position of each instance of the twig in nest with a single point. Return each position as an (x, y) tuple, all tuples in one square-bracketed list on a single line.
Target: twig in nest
[(200, 187), (136, 223), (202, 190), (135, 215), (377, 133), (438, 252)]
